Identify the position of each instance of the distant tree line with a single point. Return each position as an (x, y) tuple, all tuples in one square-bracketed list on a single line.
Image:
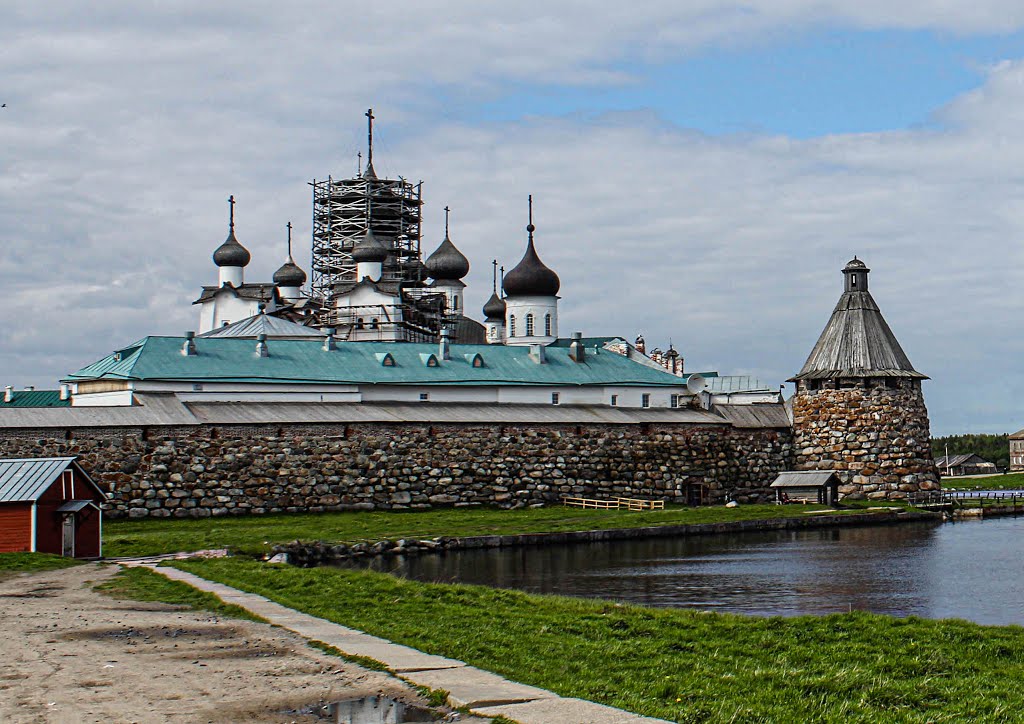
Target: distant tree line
[(994, 448)]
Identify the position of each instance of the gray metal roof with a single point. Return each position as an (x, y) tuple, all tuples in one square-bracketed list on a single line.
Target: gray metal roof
[(273, 327), (857, 342), (152, 410), (25, 479), (755, 416), (224, 413), (73, 506), (735, 383), (155, 409), (166, 409), (804, 478)]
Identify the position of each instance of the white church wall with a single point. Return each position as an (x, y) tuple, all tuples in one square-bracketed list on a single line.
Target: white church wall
[(373, 315), (224, 308), (118, 398), (516, 323)]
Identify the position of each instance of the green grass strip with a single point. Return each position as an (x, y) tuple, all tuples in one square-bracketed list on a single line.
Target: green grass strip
[(1012, 481), (11, 563), (679, 665), (256, 534), (142, 584)]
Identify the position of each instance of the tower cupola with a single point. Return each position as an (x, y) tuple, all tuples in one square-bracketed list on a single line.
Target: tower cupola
[(531, 297), (447, 262), (447, 266), (369, 255), (856, 273), (289, 278), (494, 311), (531, 277), (231, 257), (495, 307)]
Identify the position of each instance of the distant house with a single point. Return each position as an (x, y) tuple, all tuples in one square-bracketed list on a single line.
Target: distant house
[(965, 464), (49, 505), (1017, 450)]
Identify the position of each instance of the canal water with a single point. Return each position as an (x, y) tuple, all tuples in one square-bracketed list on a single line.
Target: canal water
[(972, 570)]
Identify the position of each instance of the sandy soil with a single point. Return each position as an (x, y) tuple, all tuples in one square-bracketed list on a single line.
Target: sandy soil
[(71, 654)]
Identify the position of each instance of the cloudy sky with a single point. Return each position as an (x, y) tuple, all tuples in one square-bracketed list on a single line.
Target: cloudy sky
[(702, 169)]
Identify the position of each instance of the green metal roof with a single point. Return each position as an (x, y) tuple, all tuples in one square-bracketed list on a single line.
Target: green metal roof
[(302, 361), (36, 398)]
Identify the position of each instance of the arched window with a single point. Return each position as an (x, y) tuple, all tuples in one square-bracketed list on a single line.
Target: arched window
[(529, 325), (455, 304), (512, 326), (547, 325), (359, 323), (374, 323)]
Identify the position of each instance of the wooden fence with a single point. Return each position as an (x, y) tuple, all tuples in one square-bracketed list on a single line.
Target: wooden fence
[(614, 503)]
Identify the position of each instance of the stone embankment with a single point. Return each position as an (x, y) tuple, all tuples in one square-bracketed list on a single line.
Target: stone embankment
[(253, 469), (315, 553)]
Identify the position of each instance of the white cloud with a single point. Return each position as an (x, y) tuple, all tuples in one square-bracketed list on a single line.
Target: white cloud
[(126, 130)]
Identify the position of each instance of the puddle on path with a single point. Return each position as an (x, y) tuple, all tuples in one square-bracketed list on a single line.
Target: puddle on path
[(371, 710)]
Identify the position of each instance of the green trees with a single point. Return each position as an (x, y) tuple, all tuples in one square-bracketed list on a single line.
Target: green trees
[(994, 448)]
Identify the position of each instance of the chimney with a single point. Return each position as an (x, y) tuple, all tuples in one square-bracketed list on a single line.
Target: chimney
[(9, 393), (444, 348), (261, 346), (30, 388), (189, 347), (329, 341), (537, 353), (65, 390), (576, 352)]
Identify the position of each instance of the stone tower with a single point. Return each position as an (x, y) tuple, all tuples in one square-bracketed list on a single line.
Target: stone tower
[(858, 408)]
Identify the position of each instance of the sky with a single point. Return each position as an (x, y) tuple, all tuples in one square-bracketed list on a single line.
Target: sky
[(701, 170)]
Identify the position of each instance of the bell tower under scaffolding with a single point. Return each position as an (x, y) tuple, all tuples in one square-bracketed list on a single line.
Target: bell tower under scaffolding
[(342, 211)]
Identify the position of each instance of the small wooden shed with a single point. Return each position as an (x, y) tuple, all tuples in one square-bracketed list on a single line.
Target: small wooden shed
[(49, 505), (807, 486)]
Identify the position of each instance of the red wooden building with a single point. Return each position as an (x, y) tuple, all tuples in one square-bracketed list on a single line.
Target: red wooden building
[(49, 505)]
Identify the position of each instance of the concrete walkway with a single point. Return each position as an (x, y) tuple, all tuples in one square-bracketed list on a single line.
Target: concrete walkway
[(482, 692)]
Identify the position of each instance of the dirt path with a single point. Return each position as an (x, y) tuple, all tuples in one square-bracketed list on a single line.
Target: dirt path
[(71, 654)]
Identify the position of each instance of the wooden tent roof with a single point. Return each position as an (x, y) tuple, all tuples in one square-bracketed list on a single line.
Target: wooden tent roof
[(857, 342)]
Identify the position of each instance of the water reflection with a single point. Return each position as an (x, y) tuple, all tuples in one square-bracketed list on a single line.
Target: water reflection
[(966, 570)]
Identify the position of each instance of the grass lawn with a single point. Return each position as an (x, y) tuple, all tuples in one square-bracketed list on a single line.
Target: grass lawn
[(142, 584), (1012, 481), (679, 665), (256, 534), (12, 563)]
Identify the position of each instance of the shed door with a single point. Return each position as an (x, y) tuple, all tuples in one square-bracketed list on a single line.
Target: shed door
[(68, 549)]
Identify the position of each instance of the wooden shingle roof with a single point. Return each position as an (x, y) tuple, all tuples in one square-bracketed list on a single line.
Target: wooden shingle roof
[(857, 342)]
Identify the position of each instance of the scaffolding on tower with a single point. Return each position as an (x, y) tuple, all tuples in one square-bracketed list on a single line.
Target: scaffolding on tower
[(343, 209)]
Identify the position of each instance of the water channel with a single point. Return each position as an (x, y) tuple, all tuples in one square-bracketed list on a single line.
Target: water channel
[(972, 570)]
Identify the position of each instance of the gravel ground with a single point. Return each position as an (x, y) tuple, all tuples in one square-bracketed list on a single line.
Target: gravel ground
[(71, 654)]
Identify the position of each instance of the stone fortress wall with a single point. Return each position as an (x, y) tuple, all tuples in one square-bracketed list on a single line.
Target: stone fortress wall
[(874, 433), (215, 470)]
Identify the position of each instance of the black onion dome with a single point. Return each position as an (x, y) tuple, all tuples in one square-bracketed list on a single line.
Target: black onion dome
[(495, 307), (447, 262), (855, 263), (369, 249), (289, 275), (530, 278), (231, 253)]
